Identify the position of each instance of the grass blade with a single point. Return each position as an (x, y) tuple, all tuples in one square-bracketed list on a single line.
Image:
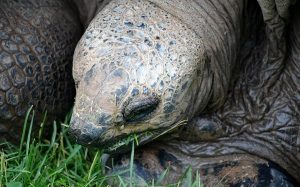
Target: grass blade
[(29, 134), (24, 130), (96, 158), (131, 164)]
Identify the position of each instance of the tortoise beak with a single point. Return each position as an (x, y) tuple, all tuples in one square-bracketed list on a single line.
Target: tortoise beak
[(84, 133)]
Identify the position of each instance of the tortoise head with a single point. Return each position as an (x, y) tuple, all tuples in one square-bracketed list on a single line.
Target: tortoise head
[(139, 72)]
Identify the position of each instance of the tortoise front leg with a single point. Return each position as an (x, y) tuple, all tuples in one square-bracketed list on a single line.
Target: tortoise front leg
[(165, 164)]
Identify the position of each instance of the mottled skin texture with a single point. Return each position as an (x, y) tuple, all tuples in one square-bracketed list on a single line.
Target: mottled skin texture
[(37, 40), (230, 68), (145, 56)]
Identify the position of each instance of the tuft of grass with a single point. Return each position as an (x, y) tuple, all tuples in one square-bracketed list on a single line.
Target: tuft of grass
[(59, 162), (55, 162)]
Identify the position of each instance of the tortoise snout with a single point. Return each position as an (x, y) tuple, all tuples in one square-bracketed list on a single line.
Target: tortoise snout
[(139, 108), (84, 133)]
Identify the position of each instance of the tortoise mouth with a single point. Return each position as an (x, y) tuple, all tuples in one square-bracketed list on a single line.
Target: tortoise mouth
[(90, 135), (123, 143)]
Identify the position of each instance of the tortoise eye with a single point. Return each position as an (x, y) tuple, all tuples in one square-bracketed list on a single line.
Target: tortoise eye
[(139, 108)]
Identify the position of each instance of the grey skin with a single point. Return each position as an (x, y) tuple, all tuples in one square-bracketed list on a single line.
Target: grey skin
[(37, 41), (211, 84)]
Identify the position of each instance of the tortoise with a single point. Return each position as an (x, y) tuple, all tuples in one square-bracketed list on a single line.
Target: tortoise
[(37, 41), (203, 83)]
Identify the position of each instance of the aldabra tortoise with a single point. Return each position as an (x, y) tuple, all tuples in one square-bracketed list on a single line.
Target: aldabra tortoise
[(227, 70), (37, 41), (205, 83)]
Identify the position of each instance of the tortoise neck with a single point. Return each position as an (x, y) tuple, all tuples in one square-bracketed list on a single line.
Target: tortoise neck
[(218, 23)]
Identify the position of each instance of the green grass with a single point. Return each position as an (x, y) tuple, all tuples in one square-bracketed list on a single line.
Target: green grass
[(60, 162)]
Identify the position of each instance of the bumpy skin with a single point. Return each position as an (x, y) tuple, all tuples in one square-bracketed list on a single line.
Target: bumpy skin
[(37, 40), (163, 62), (149, 59), (151, 161)]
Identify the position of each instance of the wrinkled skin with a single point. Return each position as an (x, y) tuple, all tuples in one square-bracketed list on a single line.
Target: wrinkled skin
[(37, 41), (145, 76), (230, 68)]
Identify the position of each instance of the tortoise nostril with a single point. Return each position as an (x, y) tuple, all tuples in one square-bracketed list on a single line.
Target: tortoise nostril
[(139, 108), (73, 133), (83, 132)]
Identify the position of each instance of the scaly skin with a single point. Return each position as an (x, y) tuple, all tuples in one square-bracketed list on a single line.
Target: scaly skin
[(37, 40), (148, 55), (221, 48)]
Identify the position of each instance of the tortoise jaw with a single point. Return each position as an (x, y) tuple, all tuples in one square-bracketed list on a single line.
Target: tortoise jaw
[(88, 134), (124, 143), (118, 144), (111, 140)]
